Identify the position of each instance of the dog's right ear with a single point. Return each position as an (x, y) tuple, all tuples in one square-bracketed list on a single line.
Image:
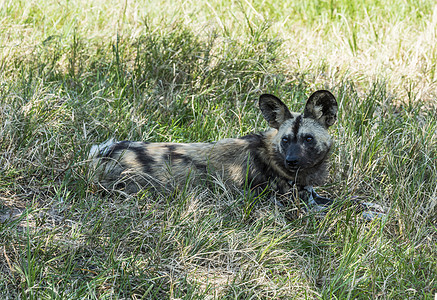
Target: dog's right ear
[(322, 107), (273, 110)]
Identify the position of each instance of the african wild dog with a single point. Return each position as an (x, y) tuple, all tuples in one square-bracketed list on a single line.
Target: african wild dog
[(294, 151)]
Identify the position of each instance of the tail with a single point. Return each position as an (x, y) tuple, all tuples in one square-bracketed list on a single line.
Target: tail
[(98, 171), (101, 149)]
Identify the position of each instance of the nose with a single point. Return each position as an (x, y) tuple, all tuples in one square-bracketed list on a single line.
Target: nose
[(292, 161)]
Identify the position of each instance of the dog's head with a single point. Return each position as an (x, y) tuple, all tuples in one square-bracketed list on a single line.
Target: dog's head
[(302, 140)]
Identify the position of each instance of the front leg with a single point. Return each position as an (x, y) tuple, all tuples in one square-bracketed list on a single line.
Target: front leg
[(315, 199), (316, 203), (313, 202)]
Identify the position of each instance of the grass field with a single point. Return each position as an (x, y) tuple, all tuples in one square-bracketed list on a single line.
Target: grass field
[(74, 73)]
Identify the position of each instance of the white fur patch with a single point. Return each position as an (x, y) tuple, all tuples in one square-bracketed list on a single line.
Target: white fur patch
[(101, 149)]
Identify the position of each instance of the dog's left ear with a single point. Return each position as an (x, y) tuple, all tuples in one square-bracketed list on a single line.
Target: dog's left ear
[(322, 107)]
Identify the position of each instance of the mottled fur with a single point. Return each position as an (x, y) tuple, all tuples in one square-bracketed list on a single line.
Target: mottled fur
[(295, 150)]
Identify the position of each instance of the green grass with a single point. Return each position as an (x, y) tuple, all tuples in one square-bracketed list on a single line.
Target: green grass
[(75, 73)]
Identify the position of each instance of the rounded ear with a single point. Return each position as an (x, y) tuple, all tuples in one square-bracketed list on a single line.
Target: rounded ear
[(322, 107), (273, 110)]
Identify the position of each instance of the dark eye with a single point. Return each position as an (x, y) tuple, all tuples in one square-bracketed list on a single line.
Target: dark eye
[(285, 140), (309, 139)]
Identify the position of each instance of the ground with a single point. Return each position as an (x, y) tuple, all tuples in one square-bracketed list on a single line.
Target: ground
[(76, 73)]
